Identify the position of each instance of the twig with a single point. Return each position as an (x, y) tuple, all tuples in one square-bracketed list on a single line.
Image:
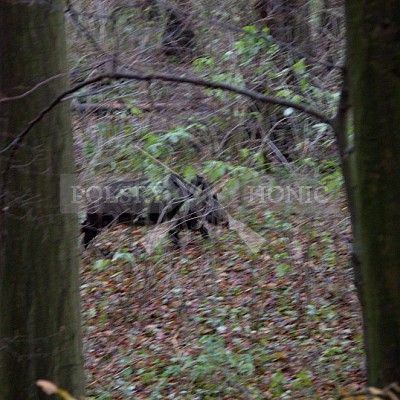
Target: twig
[(168, 78), (15, 144), (31, 90)]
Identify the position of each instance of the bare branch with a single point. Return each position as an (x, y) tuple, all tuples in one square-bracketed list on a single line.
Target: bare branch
[(237, 29), (75, 19), (31, 90), (170, 78), (14, 145)]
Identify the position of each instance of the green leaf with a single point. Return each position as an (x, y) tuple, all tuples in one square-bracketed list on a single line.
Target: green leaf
[(189, 173), (217, 172), (127, 257), (151, 138), (265, 30), (136, 111), (177, 134), (245, 153), (282, 270), (101, 264), (155, 149), (297, 98), (203, 62), (286, 93), (251, 29), (300, 66)]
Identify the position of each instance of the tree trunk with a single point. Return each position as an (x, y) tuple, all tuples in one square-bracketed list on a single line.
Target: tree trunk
[(39, 273), (373, 29)]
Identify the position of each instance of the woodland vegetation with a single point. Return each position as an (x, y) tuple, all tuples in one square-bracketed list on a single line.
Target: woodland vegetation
[(217, 320), (254, 96)]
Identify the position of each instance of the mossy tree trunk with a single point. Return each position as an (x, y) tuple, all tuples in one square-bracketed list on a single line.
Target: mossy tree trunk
[(39, 277), (373, 29)]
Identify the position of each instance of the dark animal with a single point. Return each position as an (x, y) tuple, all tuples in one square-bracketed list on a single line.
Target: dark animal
[(187, 205), (201, 206)]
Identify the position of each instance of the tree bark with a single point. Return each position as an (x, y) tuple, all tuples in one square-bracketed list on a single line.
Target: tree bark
[(39, 273), (373, 29)]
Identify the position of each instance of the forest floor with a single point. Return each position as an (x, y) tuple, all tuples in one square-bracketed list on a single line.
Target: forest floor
[(214, 320)]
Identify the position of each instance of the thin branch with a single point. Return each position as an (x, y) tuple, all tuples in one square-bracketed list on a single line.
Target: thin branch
[(216, 22), (31, 90), (75, 19), (15, 144), (169, 78), (233, 28)]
